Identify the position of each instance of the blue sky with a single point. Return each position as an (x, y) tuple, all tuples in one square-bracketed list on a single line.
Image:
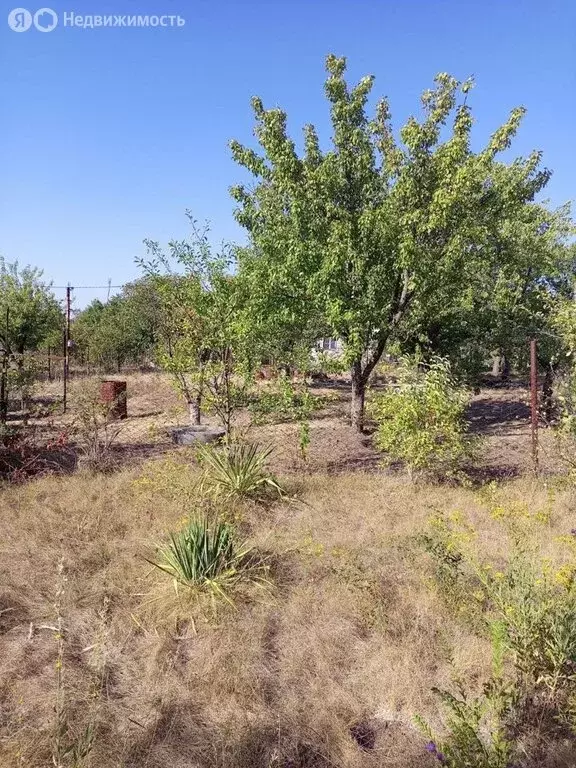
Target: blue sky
[(109, 134)]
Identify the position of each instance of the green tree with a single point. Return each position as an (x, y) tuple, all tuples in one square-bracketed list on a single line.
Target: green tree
[(120, 331), (373, 228), (200, 332), (509, 299), (29, 315), (33, 311), (276, 331)]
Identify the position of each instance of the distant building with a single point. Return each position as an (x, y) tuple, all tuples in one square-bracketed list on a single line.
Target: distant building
[(329, 346)]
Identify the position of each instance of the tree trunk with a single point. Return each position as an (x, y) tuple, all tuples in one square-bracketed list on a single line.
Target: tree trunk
[(496, 364), (358, 397), (194, 410), (500, 366)]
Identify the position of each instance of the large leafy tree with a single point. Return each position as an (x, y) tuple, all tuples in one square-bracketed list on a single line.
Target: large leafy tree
[(29, 317), (373, 230), (508, 300)]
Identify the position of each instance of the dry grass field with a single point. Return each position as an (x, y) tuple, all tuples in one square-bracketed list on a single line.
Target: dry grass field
[(326, 667)]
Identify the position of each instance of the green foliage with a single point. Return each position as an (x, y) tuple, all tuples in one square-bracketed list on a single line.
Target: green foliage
[(475, 733), (34, 312), (446, 540), (304, 439), (528, 609), (120, 332), (421, 420), (201, 342), (505, 302), (324, 364), (564, 325), (368, 238), (207, 559), (238, 471), (283, 400), (29, 315)]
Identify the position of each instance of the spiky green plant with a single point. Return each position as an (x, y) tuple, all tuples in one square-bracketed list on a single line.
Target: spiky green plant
[(238, 470), (207, 559)]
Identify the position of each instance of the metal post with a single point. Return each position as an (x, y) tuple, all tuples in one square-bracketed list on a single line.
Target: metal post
[(66, 348), (4, 375), (534, 403)]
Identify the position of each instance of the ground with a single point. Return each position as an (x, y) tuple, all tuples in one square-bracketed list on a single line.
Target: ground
[(500, 415), (328, 667)]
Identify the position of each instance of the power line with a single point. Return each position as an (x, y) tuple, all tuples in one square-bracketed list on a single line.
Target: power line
[(91, 287)]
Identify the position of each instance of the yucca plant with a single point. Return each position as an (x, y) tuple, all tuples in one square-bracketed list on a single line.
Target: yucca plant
[(238, 470), (208, 560)]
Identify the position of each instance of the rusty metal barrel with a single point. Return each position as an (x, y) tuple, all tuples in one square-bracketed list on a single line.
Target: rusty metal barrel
[(113, 395)]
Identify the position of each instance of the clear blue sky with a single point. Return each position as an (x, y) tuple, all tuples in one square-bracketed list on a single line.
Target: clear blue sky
[(108, 135)]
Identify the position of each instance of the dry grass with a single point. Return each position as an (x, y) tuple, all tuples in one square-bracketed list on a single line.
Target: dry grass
[(351, 640)]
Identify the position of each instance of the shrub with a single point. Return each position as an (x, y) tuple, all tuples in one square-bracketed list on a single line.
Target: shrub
[(238, 470), (421, 421), (324, 365), (95, 427), (528, 609), (207, 560), (284, 401), (564, 422), (476, 732)]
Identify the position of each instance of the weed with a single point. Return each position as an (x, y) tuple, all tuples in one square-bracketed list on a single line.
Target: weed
[(528, 609)]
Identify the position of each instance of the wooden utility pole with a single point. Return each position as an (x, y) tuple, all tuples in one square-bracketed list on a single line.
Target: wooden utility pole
[(66, 348), (534, 403)]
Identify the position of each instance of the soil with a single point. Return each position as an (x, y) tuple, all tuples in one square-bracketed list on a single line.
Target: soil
[(499, 415)]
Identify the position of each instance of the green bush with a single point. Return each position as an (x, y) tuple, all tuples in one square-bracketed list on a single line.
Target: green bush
[(528, 609), (421, 420), (476, 731), (238, 471), (283, 401), (564, 420)]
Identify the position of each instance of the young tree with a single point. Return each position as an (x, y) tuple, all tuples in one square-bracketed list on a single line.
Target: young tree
[(200, 328), (29, 315), (368, 230)]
